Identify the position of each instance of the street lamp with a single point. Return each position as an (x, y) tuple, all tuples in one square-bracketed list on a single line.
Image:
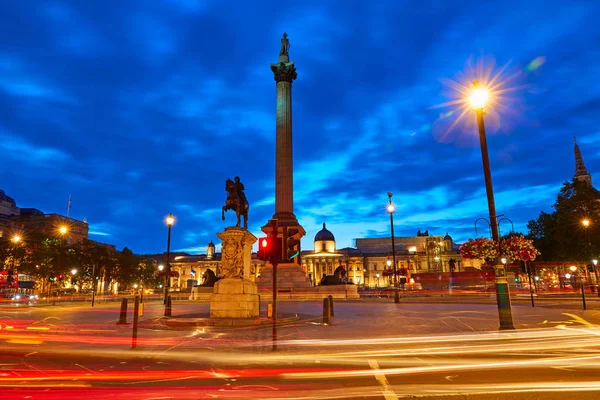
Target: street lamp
[(63, 230), (16, 239), (595, 262), (573, 269), (73, 271), (478, 99), (391, 209), (161, 267), (170, 220)]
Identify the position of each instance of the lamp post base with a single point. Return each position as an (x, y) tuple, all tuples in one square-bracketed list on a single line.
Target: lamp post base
[(503, 300), (396, 296)]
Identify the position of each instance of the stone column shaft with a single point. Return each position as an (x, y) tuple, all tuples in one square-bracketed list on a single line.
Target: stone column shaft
[(284, 185)]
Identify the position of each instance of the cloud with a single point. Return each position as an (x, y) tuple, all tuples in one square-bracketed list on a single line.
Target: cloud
[(142, 109)]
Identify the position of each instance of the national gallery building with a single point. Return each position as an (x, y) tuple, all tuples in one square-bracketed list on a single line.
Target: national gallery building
[(367, 264)]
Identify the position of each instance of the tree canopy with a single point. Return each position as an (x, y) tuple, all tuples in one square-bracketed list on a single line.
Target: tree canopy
[(563, 235)]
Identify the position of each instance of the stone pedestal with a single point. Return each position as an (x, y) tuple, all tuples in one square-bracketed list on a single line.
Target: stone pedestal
[(234, 298), (235, 295)]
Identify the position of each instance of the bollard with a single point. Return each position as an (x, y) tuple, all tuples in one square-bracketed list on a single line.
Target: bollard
[(330, 297), (141, 311), (135, 322), (326, 312), (168, 307), (123, 315)]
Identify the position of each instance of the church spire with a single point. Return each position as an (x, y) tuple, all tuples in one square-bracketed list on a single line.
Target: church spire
[(581, 172)]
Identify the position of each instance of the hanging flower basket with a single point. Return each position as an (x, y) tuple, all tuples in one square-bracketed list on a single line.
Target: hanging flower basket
[(481, 248), (517, 248)]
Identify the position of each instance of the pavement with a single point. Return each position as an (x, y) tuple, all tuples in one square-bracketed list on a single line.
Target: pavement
[(372, 349)]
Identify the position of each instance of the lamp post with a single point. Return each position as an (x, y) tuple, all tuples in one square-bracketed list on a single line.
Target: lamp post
[(170, 220), (390, 209), (595, 262), (477, 99), (586, 224), (16, 239), (574, 269)]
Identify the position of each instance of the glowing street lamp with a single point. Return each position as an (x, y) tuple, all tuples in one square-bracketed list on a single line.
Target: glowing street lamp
[(503, 261), (161, 267), (73, 272), (391, 209), (63, 230), (16, 239), (478, 99), (573, 268), (170, 220)]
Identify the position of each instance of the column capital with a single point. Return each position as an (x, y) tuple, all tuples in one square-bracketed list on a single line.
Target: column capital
[(284, 71)]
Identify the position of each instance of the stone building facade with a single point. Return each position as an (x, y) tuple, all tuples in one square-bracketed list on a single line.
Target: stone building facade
[(369, 263), (366, 264)]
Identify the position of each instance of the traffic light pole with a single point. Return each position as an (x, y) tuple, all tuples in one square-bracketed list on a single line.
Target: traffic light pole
[(530, 287), (274, 261), (93, 283)]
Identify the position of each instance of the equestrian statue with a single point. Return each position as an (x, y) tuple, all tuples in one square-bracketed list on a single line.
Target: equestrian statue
[(236, 200)]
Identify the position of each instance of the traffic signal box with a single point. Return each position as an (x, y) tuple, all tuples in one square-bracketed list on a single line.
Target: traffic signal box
[(269, 249), (280, 249), (291, 246)]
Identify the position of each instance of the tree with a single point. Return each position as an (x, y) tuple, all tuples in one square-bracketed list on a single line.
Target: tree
[(561, 235)]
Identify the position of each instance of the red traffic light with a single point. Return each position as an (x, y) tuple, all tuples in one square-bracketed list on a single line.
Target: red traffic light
[(264, 249)]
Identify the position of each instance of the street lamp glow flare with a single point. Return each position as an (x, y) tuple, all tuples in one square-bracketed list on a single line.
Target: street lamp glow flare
[(481, 85), (62, 230), (16, 239), (391, 208), (585, 222), (478, 97), (170, 220)]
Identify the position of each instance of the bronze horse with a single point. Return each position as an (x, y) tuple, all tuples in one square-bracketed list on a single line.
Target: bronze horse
[(236, 202)]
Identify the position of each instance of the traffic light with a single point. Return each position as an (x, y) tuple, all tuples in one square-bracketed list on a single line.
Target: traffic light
[(265, 246), (291, 245), (60, 276), (590, 268), (50, 279)]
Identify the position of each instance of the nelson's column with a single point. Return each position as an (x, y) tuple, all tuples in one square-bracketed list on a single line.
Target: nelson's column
[(289, 274)]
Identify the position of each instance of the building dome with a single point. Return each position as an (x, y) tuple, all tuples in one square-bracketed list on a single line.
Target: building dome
[(324, 234), (447, 237), (210, 250)]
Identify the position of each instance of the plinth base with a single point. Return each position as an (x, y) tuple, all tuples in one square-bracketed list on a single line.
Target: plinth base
[(234, 298), (289, 276)]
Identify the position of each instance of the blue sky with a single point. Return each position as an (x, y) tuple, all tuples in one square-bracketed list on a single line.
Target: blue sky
[(143, 108)]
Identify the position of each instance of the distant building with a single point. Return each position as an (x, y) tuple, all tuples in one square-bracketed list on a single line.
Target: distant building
[(367, 263), (191, 268), (8, 208), (7, 205), (34, 220), (581, 172), (15, 220)]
